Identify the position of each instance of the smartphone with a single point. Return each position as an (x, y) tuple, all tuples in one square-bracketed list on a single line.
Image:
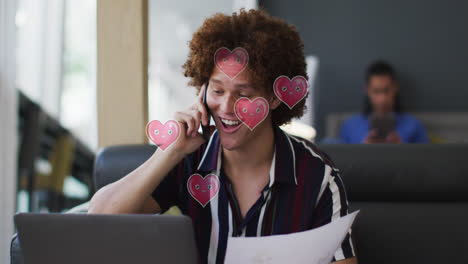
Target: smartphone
[(383, 124), (205, 129)]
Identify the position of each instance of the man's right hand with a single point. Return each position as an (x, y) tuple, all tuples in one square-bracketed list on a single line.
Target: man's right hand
[(189, 120)]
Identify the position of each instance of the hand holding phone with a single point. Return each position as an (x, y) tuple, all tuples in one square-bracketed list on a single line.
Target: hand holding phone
[(190, 120), (382, 124)]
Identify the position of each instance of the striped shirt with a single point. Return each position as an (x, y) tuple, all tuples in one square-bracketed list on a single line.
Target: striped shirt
[(304, 192)]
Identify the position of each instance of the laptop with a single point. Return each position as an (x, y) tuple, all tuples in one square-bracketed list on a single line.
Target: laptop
[(86, 238)]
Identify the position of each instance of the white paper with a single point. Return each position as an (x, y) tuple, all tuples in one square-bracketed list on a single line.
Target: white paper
[(316, 246)]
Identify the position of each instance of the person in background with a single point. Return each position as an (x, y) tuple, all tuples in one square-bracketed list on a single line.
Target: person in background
[(382, 120)]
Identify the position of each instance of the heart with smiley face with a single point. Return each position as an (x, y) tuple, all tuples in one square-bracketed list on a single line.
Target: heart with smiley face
[(290, 91), (163, 135), (231, 63), (251, 112), (203, 189)]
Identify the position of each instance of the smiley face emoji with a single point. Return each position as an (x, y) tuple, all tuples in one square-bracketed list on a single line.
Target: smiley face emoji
[(232, 62), (251, 112), (290, 91), (203, 189), (163, 135)]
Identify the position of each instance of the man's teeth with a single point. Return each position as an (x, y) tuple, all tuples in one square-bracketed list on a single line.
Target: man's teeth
[(230, 122)]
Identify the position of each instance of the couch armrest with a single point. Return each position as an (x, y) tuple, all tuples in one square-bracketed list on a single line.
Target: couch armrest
[(16, 254)]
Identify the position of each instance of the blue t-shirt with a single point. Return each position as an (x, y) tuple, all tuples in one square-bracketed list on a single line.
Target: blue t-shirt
[(356, 128)]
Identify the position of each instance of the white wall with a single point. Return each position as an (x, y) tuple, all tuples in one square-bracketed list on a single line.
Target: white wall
[(8, 126)]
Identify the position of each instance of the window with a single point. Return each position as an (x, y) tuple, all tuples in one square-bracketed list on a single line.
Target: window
[(56, 61), (171, 25)]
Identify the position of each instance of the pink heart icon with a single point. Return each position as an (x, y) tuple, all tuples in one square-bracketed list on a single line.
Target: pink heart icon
[(163, 135), (203, 189), (290, 91), (231, 63), (251, 113)]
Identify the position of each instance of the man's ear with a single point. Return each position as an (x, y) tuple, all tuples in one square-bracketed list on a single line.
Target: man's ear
[(274, 102)]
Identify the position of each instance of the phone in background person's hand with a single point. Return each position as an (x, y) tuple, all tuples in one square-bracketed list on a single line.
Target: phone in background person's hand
[(382, 124)]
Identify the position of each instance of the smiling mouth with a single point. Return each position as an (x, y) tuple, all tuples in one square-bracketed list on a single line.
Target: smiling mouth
[(229, 122), (230, 126)]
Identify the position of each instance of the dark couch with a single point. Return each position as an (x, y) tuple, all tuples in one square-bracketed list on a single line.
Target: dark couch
[(413, 201), (413, 198)]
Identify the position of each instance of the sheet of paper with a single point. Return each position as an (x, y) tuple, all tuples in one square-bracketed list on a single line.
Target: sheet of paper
[(316, 246)]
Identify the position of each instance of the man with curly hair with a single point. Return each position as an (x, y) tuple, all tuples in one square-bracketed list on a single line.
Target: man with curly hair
[(260, 182)]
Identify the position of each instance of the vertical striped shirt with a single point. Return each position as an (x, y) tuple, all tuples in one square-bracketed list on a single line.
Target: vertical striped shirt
[(304, 192)]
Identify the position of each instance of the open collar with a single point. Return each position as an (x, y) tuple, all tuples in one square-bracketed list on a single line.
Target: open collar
[(283, 165)]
